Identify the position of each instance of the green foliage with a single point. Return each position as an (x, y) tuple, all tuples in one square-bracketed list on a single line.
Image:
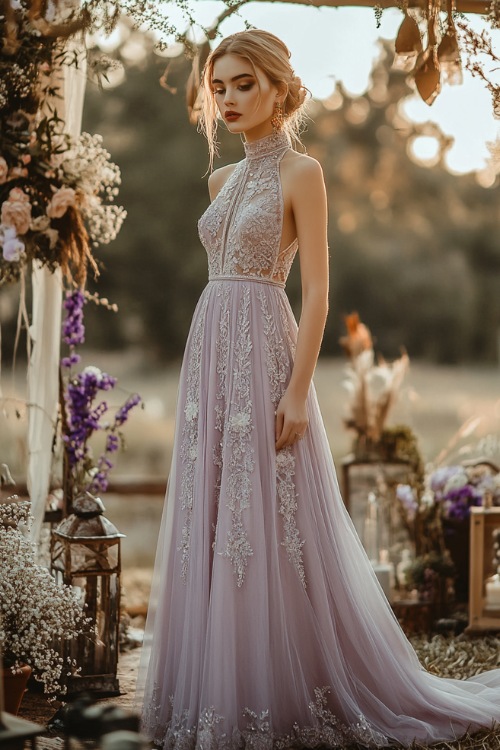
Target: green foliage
[(441, 564)]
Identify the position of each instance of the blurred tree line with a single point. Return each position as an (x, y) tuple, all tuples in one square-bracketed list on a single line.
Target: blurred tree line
[(415, 250)]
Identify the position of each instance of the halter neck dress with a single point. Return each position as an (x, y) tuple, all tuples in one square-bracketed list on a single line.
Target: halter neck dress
[(267, 627)]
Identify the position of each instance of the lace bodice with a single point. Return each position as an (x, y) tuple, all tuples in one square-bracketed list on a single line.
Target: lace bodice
[(242, 227)]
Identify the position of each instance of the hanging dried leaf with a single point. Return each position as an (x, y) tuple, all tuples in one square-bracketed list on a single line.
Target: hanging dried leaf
[(448, 50), (450, 61), (408, 45), (408, 40), (428, 77)]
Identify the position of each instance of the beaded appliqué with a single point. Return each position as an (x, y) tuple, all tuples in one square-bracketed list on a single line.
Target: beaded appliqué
[(326, 730), (222, 353), (189, 446), (278, 368), (241, 229), (241, 454)]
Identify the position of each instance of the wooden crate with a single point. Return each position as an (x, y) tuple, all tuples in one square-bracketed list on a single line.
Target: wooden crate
[(484, 521)]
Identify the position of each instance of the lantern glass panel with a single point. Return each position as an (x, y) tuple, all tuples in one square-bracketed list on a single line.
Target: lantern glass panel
[(94, 556)]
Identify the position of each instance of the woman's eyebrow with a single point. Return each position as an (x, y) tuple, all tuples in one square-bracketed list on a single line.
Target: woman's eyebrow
[(235, 78)]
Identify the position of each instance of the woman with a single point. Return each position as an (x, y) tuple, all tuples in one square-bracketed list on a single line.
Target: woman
[(267, 626)]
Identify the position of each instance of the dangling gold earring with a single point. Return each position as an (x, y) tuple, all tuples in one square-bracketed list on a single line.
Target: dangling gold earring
[(277, 118)]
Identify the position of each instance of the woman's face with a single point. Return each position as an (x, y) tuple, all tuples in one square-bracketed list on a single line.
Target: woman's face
[(245, 102)]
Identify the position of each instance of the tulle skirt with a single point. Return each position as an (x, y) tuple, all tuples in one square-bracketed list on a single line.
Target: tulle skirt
[(267, 627)]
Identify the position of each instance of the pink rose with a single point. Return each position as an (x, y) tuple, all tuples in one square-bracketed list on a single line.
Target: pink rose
[(16, 194), (4, 170), (17, 213), (61, 200), (18, 172)]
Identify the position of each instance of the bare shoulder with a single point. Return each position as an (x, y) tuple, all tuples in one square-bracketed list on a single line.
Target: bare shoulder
[(218, 178), (302, 169)]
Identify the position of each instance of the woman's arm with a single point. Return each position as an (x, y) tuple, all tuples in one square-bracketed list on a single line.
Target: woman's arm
[(309, 207)]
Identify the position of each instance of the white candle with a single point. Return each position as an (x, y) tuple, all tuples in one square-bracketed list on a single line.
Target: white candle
[(493, 592), (383, 573)]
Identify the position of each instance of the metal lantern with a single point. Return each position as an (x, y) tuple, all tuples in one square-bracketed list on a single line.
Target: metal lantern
[(484, 603), (86, 554)]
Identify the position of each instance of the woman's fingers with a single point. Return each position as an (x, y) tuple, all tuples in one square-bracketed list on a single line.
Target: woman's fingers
[(278, 425), (289, 434)]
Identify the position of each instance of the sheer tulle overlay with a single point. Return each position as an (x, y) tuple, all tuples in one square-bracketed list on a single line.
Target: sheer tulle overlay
[(267, 627)]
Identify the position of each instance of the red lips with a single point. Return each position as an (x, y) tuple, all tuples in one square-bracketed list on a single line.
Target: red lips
[(230, 115)]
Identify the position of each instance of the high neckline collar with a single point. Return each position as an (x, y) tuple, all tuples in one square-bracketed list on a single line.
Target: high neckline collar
[(267, 145)]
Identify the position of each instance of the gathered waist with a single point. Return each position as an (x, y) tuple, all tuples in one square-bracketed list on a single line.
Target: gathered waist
[(243, 277)]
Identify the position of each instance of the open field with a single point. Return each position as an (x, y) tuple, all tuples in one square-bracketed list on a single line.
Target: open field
[(435, 402)]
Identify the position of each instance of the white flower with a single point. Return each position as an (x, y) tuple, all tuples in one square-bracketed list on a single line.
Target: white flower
[(60, 11), (7, 233), (34, 608), (456, 482), (40, 224), (239, 421), (92, 370), (13, 249), (191, 410)]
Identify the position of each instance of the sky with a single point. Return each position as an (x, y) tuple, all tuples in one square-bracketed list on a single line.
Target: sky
[(340, 44)]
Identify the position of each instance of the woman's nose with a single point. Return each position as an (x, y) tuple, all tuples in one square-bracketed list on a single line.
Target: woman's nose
[(228, 98)]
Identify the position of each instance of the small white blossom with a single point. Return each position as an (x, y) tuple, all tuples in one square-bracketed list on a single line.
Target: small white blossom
[(93, 370), (34, 608)]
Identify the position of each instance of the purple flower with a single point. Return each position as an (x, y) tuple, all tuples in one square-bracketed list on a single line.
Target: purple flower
[(83, 416), (84, 410), (406, 495), (122, 413), (440, 477), (112, 443), (73, 328)]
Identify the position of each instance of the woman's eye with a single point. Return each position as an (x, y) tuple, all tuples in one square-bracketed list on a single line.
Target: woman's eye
[(218, 91), (246, 87)]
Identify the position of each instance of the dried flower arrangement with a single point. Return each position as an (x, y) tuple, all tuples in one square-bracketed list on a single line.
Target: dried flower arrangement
[(35, 611), (56, 191), (372, 387), (81, 416)]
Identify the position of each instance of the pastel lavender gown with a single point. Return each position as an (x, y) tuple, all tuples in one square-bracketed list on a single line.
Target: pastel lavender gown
[(267, 627)]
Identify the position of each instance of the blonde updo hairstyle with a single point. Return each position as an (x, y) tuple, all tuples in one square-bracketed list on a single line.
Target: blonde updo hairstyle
[(265, 51)]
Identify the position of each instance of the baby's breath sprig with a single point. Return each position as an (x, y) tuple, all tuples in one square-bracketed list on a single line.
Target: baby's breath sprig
[(36, 613)]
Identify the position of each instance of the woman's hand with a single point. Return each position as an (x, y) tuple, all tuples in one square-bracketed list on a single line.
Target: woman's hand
[(291, 420)]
